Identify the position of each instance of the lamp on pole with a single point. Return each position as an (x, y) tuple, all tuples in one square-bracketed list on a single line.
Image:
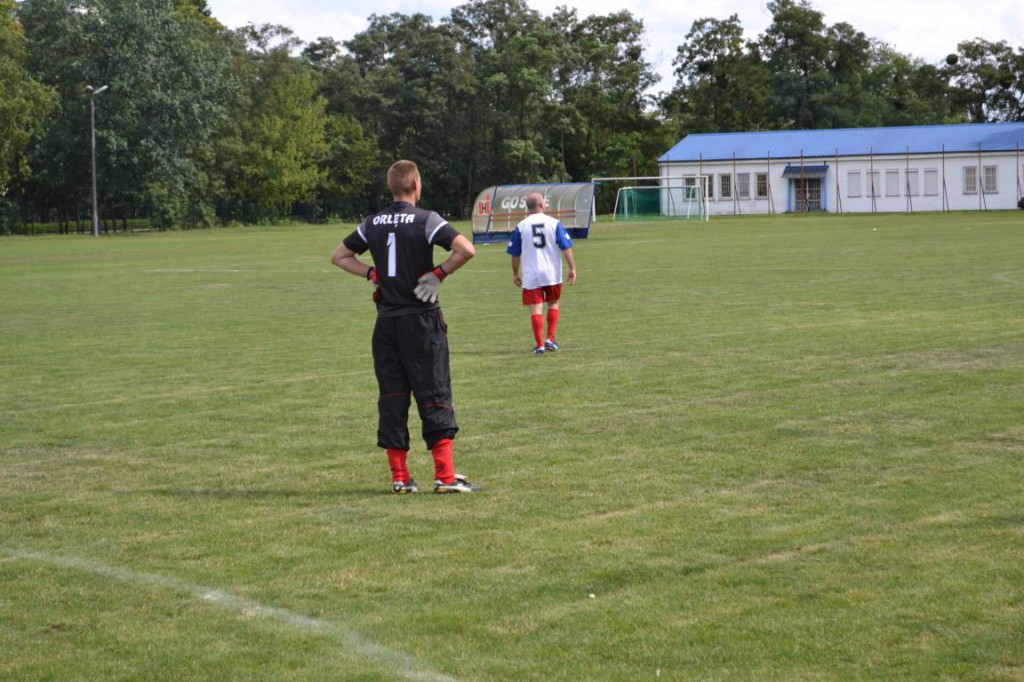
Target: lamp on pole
[(92, 128)]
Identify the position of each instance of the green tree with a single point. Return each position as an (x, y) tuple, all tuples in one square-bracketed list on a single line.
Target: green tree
[(604, 116), (340, 76), (352, 161), (800, 73), (416, 94), (272, 152), (796, 51), (847, 103), (722, 85), (167, 75), (495, 93), (514, 57), (198, 8), (25, 102), (908, 91), (987, 80)]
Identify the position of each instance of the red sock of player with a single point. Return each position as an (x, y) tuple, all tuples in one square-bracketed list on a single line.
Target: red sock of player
[(552, 322), (396, 460), (444, 466), (537, 322)]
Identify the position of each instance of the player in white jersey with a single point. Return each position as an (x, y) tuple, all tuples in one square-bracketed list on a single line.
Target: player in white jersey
[(537, 246)]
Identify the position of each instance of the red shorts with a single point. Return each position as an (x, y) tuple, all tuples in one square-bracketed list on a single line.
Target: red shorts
[(548, 294)]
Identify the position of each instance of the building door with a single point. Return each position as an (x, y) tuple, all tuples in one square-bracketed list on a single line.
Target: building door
[(806, 194)]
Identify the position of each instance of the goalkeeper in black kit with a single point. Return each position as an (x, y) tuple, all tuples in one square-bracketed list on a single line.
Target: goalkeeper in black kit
[(410, 338)]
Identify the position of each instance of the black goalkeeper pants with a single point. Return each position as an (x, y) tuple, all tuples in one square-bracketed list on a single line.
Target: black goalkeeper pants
[(410, 358)]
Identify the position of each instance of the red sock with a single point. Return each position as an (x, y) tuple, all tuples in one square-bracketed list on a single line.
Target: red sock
[(396, 460), (537, 322), (444, 466), (552, 322)]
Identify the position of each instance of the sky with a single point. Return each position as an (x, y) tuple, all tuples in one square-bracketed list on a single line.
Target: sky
[(927, 30)]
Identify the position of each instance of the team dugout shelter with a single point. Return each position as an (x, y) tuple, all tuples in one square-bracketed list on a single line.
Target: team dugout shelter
[(500, 208)]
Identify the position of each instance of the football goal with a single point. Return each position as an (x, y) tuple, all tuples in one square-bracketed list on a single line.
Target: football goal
[(499, 209), (654, 198)]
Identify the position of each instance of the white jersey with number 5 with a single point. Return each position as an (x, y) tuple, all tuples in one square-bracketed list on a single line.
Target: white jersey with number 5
[(538, 241)]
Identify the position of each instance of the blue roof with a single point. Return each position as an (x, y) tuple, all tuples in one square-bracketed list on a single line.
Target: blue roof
[(966, 137)]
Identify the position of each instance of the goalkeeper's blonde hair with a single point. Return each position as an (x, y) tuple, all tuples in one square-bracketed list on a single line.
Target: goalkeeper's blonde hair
[(402, 177)]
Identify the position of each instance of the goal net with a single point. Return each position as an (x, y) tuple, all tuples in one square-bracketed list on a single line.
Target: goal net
[(653, 198), (499, 209)]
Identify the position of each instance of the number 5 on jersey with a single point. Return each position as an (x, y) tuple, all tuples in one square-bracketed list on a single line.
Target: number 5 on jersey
[(539, 238)]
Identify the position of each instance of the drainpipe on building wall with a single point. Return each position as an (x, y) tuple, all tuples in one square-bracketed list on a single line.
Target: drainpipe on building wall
[(906, 181), (945, 194), (871, 178), (982, 204), (839, 194), (735, 189)]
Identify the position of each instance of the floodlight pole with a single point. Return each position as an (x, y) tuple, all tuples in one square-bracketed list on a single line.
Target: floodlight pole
[(92, 129)]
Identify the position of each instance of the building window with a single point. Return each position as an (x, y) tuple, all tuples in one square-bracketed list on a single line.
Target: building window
[(699, 181), (761, 179), (892, 183), (970, 180), (743, 185), (931, 182), (725, 183), (913, 187), (988, 180), (709, 182), (853, 189), (874, 185)]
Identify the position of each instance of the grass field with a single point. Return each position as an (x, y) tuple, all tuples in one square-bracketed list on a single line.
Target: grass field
[(774, 448)]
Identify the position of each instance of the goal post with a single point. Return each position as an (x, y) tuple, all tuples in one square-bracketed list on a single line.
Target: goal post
[(500, 208), (681, 197)]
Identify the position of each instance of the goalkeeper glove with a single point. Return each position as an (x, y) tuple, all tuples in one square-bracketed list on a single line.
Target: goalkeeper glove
[(429, 284), (371, 275)]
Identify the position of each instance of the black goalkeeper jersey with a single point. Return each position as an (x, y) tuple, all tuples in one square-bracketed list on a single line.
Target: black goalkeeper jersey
[(401, 240)]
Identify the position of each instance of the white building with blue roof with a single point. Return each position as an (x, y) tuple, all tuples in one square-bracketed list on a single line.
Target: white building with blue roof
[(974, 166)]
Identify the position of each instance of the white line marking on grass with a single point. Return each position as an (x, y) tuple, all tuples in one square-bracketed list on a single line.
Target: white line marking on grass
[(401, 663), (1008, 277)]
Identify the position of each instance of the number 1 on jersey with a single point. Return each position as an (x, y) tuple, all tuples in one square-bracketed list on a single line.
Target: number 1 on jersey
[(392, 255)]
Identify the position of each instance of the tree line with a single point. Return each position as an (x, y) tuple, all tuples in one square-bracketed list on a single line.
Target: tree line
[(203, 126)]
